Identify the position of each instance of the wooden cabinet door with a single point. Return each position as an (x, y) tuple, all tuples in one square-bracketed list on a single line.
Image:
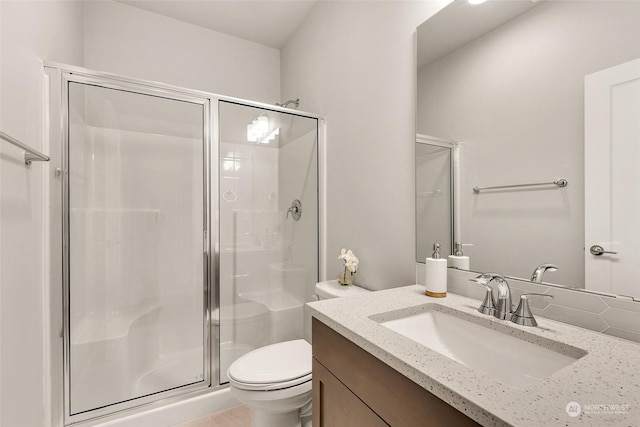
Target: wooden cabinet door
[(335, 405), (395, 398)]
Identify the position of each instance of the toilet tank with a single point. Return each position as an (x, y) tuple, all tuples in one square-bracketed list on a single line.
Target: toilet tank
[(327, 290), (331, 289)]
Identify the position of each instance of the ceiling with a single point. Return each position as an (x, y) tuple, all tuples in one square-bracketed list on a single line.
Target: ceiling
[(459, 23), (268, 22)]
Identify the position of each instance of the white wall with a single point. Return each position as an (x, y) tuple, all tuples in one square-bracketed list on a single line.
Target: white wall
[(30, 32), (354, 63), (514, 98), (114, 38), (133, 42)]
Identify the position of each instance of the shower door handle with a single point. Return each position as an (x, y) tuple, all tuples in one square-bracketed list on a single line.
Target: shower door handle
[(207, 267)]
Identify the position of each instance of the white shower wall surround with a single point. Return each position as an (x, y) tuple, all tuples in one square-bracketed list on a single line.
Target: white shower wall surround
[(618, 317)]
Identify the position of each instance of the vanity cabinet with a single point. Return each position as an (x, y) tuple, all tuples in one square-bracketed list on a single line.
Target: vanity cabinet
[(353, 388)]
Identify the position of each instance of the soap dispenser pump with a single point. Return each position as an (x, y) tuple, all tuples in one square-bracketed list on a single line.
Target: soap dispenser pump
[(458, 259), (436, 277)]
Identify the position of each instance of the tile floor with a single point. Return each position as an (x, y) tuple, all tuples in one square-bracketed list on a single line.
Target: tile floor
[(240, 416)]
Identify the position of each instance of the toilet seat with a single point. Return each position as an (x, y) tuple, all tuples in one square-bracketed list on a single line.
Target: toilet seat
[(276, 366), (270, 387)]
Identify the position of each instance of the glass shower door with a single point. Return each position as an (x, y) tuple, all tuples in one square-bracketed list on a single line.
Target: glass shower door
[(268, 256), (136, 244)]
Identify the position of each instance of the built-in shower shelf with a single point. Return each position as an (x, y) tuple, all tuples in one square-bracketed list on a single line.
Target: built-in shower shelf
[(116, 210), (287, 267), (96, 327), (257, 211), (275, 300), (249, 249)]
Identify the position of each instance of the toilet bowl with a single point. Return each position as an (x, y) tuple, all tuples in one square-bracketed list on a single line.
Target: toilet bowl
[(275, 382)]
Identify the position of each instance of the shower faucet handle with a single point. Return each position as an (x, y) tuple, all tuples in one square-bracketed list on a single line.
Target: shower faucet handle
[(295, 210)]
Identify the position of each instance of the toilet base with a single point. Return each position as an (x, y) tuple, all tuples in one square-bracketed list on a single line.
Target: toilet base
[(269, 419), (277, 408)]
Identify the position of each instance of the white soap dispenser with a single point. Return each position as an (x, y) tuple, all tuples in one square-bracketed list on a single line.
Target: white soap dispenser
[(436, 278), (458, 259)]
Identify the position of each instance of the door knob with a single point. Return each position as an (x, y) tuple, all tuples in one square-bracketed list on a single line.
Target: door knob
[(599, 250)]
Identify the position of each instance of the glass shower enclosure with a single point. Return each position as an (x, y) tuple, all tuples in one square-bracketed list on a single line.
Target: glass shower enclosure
[(181, 246)]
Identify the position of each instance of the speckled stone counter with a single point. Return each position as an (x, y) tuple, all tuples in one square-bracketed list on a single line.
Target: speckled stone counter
[(605, 382)]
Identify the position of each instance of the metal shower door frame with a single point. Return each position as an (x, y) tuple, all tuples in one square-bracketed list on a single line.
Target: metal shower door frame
[(211, 374)]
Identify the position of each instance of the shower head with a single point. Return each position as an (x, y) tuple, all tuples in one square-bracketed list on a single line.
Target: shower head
[(291, 101)]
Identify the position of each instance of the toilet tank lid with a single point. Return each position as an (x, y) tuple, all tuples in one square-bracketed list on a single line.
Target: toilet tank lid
[(331, 289), (275, 363)]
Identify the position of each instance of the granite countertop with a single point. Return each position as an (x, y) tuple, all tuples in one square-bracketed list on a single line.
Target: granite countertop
[(605, 382)]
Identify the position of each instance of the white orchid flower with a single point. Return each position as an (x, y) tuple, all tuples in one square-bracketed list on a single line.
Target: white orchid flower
[(350, 260)]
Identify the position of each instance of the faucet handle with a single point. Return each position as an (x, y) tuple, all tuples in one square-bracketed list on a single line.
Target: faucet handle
[(522, 315), (488, 306)]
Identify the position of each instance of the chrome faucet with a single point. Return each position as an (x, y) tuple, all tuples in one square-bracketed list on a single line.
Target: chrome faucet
[(504, 306), (540, 270)]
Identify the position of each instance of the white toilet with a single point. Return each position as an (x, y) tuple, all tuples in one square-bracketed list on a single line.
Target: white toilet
[(275, 380)]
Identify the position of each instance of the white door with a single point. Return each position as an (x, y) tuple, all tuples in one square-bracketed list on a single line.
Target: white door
[(612, 179)]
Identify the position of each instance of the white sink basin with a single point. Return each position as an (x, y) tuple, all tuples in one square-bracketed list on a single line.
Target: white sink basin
[(510, 360)]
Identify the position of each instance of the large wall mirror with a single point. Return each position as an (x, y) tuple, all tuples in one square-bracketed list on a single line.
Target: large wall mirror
[(546, 93)]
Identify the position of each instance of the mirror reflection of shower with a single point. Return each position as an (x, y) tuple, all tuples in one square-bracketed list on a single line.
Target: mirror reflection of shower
[(437, 216)]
